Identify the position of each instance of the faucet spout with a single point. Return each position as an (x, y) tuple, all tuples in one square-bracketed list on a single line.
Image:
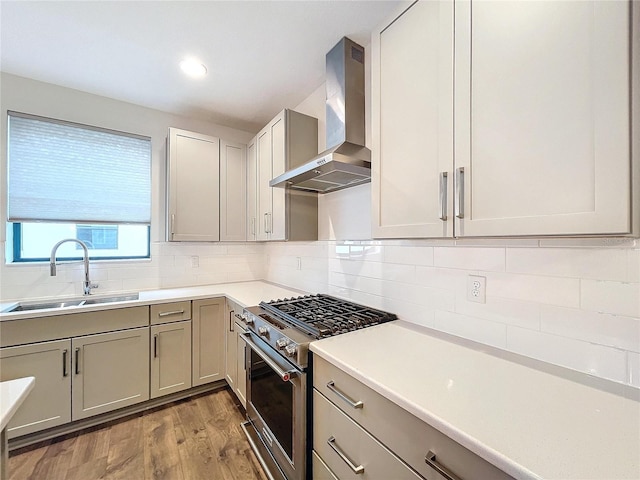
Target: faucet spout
[(87, 283)]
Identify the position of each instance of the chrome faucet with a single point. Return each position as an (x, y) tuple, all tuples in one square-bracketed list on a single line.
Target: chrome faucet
[(87, 286)]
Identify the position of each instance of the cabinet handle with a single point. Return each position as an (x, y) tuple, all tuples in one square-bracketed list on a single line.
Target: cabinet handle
[(459, 206), (266, 230), (173, 221), (64, 363), (270, 223), (331, 386), (155, 346), (443, 196), (173, 312), (357, 470), (77, 360), (253, 226), (430, 460), (231, 322)]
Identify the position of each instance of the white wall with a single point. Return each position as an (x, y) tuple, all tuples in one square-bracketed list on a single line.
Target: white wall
[(170, 263), (570, 302)]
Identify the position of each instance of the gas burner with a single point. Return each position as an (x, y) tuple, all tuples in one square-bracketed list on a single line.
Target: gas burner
[(323, 315)]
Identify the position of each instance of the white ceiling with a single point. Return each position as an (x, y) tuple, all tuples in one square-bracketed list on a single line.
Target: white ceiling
[(262, 56)]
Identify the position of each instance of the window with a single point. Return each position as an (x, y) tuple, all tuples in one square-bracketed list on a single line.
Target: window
[(75, 181)]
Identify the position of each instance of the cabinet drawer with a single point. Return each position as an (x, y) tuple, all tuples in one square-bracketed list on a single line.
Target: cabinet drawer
[(346, 448), (170, 312), (404, 434), (320, 469)]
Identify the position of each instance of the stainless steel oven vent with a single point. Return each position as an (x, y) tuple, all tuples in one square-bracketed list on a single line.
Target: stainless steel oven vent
[(346, 162)]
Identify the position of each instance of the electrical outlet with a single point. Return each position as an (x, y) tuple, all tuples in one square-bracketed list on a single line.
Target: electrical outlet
[(476, 289), (195, 261)]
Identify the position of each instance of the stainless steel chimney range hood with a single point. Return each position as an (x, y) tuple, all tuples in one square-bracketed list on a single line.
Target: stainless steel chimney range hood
[(347, 162)]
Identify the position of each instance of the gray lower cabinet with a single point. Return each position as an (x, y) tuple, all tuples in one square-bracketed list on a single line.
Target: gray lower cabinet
[(354, 426), (48, 404), (208, 357), (170, 358), (236, 373), (110, 371)]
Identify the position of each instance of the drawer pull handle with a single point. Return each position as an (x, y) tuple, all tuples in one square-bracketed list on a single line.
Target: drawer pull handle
[(430, 459), (174, 312), (331, 386), (357, 470)]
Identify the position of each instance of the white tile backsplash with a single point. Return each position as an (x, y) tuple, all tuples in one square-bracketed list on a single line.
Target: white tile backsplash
[(534, 288), (619, 298), (575, 303), (602, 264), (470, 258), (600, 328), (587, 357), (542, 301)]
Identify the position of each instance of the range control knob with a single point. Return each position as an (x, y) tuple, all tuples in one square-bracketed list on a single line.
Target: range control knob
[(263, 331), (281, 343), (247, 318), (291, 350)]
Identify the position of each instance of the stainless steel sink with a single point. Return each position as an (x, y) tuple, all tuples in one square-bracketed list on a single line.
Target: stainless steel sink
[(76, 302), (119, 298), (41, 306)]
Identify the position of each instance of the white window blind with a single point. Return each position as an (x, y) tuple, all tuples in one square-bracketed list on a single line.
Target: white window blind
[(59, 171)]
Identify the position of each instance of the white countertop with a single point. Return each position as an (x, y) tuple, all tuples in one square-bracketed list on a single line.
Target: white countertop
[(12, 394), (243, 293), (529, 420)]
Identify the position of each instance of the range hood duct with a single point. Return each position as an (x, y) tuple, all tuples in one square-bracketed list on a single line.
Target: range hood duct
[(346, 162)]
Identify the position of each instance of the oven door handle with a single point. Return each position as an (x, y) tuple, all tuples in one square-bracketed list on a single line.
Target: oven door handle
[(285, 375)]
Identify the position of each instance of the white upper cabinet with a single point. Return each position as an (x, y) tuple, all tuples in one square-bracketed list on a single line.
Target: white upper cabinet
[(542, 117), (289, 140), (233, 192), (193, 196), (412, 88), (533, 131)]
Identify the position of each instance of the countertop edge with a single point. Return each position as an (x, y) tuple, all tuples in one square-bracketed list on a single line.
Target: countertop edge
[(14, 392)]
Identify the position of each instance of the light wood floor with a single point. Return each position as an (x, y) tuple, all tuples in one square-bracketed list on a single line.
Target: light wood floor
[(194, 439)]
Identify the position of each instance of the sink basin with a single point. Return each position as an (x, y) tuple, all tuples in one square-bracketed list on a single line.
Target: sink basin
[(40, 306), (119, 298), (77, 302)]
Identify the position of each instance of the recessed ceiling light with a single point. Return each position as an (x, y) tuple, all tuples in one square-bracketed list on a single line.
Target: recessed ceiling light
[(193, 68)]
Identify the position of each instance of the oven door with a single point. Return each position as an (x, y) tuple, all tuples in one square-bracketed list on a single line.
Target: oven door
[(276, 406)]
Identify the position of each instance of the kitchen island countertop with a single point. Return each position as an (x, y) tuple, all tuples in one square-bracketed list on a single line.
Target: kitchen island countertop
[(530, 419)]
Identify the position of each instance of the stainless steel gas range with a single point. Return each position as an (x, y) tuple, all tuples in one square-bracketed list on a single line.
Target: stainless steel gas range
[(279, 373)]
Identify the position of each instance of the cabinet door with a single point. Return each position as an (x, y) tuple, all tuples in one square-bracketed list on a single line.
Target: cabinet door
[(233, 192), (231, 364), (110, 371), (241, 378), (170, 358), (194, 186), (277, 220), (412, 122), (208, 340), (252, 185), (49, 403), (542, 117), (264, 191)]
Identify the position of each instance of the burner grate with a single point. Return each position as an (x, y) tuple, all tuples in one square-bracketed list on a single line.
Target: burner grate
[(324, 315)]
